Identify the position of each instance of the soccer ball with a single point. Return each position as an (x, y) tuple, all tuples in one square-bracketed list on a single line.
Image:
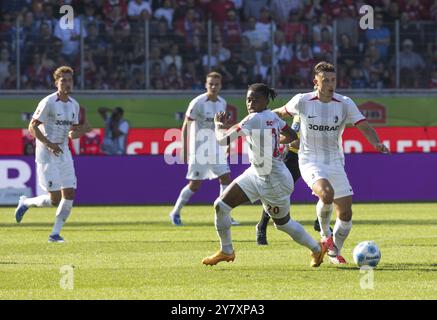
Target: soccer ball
[(367, 253)]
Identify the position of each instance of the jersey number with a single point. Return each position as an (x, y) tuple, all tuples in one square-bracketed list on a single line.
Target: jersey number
[(274, 210)]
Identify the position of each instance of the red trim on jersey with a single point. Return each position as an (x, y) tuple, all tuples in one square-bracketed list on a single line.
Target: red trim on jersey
[(238, 129), (285, 127), (317, 98), (359, 121), (288, 112), (189, 118)]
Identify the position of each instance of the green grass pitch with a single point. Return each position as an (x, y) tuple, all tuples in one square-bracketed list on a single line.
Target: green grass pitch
[(135, 253)]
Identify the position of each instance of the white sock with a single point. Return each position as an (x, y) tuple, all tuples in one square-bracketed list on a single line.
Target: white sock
[(341, 231), (222, 188), (62, 213), (298, 234), (183, 199), (324, 212), (223, 225), (40, 201)]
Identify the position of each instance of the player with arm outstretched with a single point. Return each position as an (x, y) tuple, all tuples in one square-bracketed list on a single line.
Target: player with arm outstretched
[(55, 120), (323, 117), (267, 179)]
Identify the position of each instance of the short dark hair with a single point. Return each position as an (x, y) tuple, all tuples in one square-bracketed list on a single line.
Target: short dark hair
[(268, 92), (323, 66)]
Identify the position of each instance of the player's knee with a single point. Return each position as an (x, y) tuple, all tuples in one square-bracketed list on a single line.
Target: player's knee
[(327, 196), (195, 185), (221, 207)]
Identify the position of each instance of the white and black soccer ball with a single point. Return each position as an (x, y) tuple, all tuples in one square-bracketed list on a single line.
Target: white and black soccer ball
[(367, 253)]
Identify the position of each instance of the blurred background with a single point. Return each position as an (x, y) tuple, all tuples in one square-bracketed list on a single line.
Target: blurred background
[(150, 58)]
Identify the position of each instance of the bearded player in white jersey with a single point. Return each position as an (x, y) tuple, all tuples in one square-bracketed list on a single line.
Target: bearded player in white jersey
[(324, 115), (55, 120), (267, 179), (197, 138)]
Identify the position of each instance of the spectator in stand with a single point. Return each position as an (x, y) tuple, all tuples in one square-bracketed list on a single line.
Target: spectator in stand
[(253, 8), (182, 6), (391, 15), (218, 10), (162, 38), (357, 79), (323, 48), (432, 84), (70, 40), (281, 9), (282, 52), (294, 26), (139, 10), (211, 62), (11, 81), (433, 11), (189, 27), (44, 41), (257, 40), (48, 18), (232, 30), (37, 74), (262, 71), (4, 65), (409, 29), (165, 11), (265, 25), (300, 71), (173, 57), (411, 65), (247, 54), (156, 57), (348, 54), (116, 15), (347, 23), (156, 73), (190, 76), (96, 45), (173, 79), (240, 71), (380, 36), (343, 79), (416, 9), (323, 24)]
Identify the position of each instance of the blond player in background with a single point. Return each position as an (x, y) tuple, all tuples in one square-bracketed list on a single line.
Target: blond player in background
[(55, 120)]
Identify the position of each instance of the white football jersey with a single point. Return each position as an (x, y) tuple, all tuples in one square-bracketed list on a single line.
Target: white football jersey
[(201, 133), (322, 126), (262, 131), (57, 117)]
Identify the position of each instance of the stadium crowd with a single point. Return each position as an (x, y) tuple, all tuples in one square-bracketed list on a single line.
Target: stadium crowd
[(114, 42)]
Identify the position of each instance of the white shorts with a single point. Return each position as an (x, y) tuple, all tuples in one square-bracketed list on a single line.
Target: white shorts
[(274, 194), (334, 173), (54, 176), (206, 171)]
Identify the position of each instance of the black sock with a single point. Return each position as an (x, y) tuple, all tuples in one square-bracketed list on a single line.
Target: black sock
[(263, 222)]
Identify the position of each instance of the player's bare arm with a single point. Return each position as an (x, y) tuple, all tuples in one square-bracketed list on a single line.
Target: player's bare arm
[(223, 135), (36, 132), (79, 130), (288, 135), (184, 138), (372, 137), (282, 113)]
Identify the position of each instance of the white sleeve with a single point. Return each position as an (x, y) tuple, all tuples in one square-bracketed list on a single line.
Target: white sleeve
[(354, 115), (282, 124), (293, 106), (246, 125), (42, 111), (193, 110), (76, 120)]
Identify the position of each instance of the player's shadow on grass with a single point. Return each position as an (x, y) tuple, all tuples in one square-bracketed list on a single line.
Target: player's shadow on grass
[(121, 224), (387, 222), (423, 267)]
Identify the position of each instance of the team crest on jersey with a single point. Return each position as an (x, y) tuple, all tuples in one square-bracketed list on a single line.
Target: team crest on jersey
[(335, 119)]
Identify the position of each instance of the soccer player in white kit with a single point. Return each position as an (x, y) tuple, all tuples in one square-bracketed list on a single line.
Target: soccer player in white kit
[(267, 179), (197, 128), (324, 115), (55, 120)]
